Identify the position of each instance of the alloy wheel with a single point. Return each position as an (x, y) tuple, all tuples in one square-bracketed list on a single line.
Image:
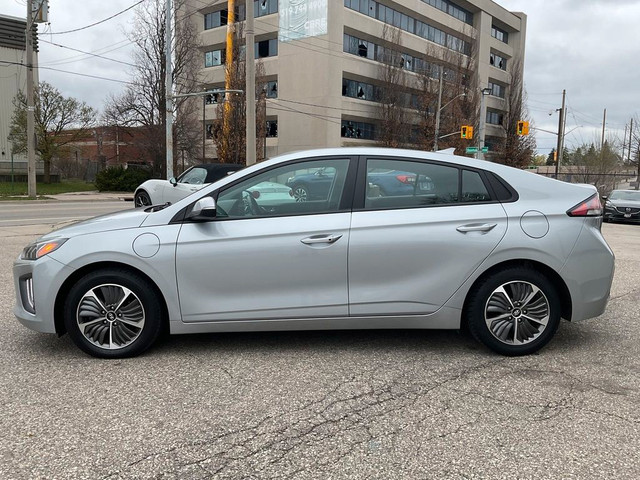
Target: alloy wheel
[(517, 313), (110, 316)]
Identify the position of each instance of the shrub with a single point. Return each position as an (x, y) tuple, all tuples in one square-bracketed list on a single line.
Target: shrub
[(119, 179)]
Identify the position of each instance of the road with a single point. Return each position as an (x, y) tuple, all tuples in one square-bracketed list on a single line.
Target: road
[(320, 405), (51, 213)]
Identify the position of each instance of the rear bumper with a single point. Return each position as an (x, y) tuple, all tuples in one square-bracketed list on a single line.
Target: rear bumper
[(588, 273)]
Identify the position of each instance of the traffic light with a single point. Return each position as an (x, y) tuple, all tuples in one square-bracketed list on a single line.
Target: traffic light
[(523, 128), (466, 131)]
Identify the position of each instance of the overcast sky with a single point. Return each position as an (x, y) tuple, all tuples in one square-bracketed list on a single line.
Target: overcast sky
[(588, 47)]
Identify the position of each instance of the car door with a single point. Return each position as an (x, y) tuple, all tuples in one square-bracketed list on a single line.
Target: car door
[(190, 181), (408, 253), (282, 262)]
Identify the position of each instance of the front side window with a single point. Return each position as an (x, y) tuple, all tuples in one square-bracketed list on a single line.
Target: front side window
[(408, 184), (308, 187), (193, 176)]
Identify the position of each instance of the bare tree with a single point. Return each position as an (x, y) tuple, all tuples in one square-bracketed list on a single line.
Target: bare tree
[(231, 144), (595, 164), (59, 121), (515, 150), (395, 130), (459, 103), (143, 103)]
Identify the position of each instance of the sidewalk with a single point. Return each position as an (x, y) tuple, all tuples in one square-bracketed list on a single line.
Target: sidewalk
[(92, 196)]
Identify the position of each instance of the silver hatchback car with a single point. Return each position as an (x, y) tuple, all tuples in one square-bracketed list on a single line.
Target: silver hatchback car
[(463, 243)]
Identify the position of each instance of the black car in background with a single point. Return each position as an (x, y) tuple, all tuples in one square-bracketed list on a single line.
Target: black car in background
[(622, 206)]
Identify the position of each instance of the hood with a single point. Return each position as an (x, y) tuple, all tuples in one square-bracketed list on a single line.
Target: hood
[(112, 221), (620, 202)]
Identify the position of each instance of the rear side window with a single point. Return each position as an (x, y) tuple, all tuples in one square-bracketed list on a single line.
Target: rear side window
[(473, 188), (404, 184)]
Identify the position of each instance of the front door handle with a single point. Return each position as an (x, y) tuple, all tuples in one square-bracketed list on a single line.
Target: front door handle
[(315, 239), (476, 227)]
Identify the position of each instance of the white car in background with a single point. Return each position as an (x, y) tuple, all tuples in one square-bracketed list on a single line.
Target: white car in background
[(156, 192)]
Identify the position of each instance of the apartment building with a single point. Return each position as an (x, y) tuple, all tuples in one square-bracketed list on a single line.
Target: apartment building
[(322, 60), (13, 78)]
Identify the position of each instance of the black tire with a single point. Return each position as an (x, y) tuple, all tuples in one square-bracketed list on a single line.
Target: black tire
[(300, 193), (497, 315), (91, 316), (142, 199)]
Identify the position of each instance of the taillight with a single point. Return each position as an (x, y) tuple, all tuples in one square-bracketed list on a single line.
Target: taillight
[(406, 178), (591, 207)]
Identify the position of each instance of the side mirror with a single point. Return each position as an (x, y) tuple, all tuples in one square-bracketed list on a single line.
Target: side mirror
[(173, 181), (203, 210)]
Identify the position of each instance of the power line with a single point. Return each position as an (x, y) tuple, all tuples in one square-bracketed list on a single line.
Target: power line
[(98, 23), (88, 53)]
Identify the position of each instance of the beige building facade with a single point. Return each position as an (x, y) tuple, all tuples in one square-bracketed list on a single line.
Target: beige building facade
[(13, 78), (322, 60)]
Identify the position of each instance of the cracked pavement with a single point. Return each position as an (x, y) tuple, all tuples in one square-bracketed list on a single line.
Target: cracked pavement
[(327, 405)]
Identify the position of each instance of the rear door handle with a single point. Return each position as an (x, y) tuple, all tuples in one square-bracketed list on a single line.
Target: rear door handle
[(476, 227), (315, 239)]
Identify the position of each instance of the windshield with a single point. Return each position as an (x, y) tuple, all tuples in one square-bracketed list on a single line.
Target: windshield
[(625, 195)]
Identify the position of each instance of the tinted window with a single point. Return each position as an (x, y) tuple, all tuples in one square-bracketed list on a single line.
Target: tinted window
[(400, 183), (300, 188), (473, 188)]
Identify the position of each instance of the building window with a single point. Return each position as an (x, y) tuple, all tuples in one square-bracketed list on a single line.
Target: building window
[(266, 48), (265, 7), (498, 61), (499, 34), (272, 128), (360, 90), (214, 98), (494, 117), (214, 58), (452, 9), (209, 130), (497, 90), (271, 89), (215, 19), (361, 130), (409, 24)]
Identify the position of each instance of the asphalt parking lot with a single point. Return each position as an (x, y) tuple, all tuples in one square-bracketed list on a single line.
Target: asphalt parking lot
[(322, 405)]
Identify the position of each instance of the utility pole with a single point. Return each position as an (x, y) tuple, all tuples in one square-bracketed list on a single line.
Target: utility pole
[(437, 127), (229, 74), (31, 150), (169, 89), (250, 89), (561, 122), (630, 139), (604, 122)]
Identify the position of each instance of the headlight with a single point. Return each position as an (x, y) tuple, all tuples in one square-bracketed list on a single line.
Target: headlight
[(40, 249)]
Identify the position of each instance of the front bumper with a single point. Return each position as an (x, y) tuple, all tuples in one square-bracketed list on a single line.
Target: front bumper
[(620, 214), (37, 283)]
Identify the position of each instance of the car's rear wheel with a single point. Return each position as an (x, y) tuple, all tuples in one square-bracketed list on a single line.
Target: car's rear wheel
[(113, 313), (142, 199), (514, 312)]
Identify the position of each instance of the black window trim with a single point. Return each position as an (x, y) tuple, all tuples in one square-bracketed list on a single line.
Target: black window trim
[(345, 204), (360, 188)]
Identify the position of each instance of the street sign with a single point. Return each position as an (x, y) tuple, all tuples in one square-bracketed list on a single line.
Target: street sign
[(485, 149), (472, 149)]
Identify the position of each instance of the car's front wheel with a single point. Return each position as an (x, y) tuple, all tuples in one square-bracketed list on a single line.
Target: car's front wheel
[(113, 313), (515, 311), (142, 199), (300, 193)]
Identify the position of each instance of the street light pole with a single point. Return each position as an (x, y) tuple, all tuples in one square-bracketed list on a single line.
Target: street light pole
[(437, 128), (483, 118)]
